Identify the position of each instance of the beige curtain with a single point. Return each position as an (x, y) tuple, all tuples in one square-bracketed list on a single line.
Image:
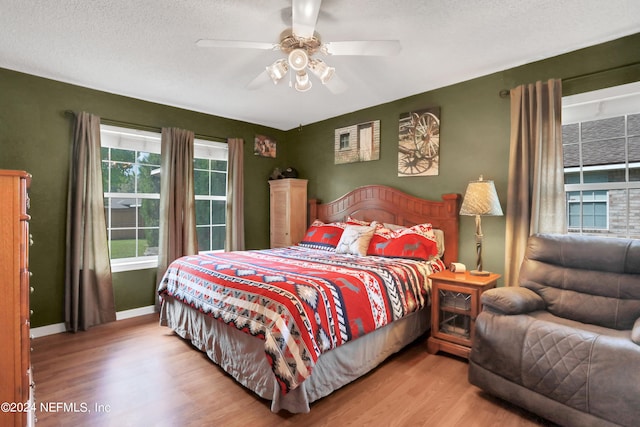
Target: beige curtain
[(89, 296), (235, 196), (177, 201), (535, 198)]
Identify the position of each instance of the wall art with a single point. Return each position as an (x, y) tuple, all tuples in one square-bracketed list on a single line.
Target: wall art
[(357, 143), (419, 143), (264, 146)]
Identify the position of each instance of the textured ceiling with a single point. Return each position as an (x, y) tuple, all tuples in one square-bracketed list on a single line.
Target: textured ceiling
[(146, 48)]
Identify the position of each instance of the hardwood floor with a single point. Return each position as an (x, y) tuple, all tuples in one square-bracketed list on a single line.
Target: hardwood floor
[(136, 373)]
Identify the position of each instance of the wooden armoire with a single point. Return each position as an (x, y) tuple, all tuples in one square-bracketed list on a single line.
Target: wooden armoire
[(288, 213), (16, 391)]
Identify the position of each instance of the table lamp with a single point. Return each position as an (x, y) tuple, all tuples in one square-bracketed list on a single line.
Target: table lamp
[(480, 199)]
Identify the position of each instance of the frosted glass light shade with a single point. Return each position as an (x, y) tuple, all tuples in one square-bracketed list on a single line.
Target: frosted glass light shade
[(277, 70), (303, 83), (298, 59), (321, 70)]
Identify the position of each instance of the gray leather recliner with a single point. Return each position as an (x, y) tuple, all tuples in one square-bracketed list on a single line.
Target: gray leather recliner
[(565, 344)]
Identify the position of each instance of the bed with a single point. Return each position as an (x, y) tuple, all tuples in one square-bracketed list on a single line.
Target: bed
[(294, 324)]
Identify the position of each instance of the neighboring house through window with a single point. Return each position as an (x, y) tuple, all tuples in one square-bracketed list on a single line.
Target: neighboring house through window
[(131, 184), (601, 148)]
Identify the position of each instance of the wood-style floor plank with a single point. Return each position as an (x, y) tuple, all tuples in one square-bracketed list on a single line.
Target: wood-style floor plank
[(136, 373)]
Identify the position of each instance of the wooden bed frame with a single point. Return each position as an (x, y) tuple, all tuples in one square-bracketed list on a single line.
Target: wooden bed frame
[(387, 204), (245, 360)]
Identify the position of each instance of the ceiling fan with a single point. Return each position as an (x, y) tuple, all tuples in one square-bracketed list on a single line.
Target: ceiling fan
[(300, 44)]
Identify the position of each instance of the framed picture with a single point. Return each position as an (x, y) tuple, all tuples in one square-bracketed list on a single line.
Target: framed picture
[(419, 143), (357, 143), (264, 146)]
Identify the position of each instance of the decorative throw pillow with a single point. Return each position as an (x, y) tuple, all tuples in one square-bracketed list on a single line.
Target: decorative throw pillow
[(354, 221), (417, 242), (439, 241), (380, 240), (438, 234), (323, 236), (355, 240), (393, 227)]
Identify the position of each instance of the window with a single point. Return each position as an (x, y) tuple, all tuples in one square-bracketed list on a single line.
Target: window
[(131, 185), (601, 148), (344, 141), (210, 176), (588, 210)]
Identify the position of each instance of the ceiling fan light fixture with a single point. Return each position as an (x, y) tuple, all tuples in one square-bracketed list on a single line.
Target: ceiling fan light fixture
[(298, 59), (303, 83), (321, 70), (277, 70)]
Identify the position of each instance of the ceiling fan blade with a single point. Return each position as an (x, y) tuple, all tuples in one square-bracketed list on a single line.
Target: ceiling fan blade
[(286, 15), (305, 16), (336, 85), (364, 48), (260, 80), (236, 44)]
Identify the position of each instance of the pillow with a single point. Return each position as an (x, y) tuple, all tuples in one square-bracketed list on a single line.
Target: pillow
[(439, 235), (354, 221), (323, 236), (393, 227), (439, 241), (417, 242), (426, 229), (355, 240)]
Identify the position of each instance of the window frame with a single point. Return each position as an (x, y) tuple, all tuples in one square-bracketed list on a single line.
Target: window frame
[(212, 198), (582, 202), (620, 101), (203, 149)]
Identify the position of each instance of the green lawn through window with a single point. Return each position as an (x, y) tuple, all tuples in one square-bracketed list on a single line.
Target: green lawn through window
[(127, 248)]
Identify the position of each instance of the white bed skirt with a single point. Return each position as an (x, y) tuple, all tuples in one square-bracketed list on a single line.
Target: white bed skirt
[(243, 357)]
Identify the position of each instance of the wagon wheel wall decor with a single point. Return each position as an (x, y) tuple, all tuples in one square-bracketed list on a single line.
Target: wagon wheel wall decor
[(419, 143)]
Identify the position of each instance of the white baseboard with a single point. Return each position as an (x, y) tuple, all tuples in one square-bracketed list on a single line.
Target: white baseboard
[(57, 328), (135, 312), (43, 331)]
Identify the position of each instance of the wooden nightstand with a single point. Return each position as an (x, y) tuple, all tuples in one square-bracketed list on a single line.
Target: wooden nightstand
[(455, 304)]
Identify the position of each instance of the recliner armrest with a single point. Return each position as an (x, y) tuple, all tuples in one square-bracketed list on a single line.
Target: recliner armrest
[(512, 300), (635, 332)]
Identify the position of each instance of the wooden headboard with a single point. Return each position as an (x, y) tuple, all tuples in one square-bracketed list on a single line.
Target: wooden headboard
[(386, 204)]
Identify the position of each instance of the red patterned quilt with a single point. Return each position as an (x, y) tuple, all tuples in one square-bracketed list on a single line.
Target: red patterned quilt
[(301, 302)]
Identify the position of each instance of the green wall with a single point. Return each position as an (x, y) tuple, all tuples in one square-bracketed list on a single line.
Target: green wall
[(474, 136), (35, 135)]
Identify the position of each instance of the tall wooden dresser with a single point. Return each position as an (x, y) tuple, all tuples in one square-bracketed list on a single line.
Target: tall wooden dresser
[(288, 214), (16, 394)]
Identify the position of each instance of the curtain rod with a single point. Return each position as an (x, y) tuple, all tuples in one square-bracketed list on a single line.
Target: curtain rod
[(504, 93), (148, 128)]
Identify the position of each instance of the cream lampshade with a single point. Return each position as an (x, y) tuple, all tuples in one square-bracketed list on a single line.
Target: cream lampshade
[(480, 199)]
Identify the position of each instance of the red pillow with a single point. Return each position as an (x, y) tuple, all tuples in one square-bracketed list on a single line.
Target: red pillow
[(417, 242), (354, 221), (323, 236)]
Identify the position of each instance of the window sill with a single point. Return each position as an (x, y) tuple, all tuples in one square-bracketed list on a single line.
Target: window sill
[(133, 265)]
